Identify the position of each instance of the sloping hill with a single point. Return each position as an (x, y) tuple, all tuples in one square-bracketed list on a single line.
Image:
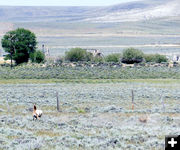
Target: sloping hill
[(35, 14), (132, 11), (141, 10)]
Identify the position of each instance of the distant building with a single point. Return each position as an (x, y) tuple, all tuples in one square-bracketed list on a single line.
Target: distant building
[(45, 50), (95, 52), (174, 57)]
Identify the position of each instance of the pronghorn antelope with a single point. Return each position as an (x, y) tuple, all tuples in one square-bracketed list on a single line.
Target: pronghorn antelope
[(143, 118), (36, 113)]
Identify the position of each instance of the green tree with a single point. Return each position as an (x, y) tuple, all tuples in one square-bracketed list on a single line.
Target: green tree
[(37, 56), (131, 56), (78, 54), (19, 44)]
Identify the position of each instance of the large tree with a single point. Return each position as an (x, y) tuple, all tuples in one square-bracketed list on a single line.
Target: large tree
[(19, 44)]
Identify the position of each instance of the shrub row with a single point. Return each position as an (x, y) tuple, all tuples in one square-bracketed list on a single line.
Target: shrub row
[(129, 56)]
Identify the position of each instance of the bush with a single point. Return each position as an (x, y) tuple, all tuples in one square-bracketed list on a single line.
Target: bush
[(78, 54), (131, 56), (98, 59), (157, 58), (37, 56), (113, 58)]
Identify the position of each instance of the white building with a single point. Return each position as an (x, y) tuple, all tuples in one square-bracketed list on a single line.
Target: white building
[(173, 57)]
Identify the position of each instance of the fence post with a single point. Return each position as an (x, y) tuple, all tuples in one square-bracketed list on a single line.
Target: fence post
[(132, 99), (57, 97)]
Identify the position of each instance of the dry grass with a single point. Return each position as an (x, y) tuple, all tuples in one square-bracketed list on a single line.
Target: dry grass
[(12, 137), (92, 81), (47, 133)]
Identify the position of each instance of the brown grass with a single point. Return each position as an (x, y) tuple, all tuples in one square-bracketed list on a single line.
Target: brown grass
[(47, 133)]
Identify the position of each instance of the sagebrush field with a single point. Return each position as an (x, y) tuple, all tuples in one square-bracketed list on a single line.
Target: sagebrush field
[(89, 71), (93, 115)]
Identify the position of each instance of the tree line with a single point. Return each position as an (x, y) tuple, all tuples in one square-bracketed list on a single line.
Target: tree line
[(21, 46), (129, 56)]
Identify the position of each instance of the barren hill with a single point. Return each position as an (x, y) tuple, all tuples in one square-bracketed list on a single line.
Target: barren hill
[(131, 11)]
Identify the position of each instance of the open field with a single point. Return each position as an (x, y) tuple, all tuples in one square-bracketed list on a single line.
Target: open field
[(152, 36), (110, 44), (94, 116), (108, 37)]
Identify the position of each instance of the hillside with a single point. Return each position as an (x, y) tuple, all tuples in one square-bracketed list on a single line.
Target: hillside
[(132, 11), (140, 10), (34, 14)]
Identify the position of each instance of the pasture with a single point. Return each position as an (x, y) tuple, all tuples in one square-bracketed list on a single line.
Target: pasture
[(96, 115)]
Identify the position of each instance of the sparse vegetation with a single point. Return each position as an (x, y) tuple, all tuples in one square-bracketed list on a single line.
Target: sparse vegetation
[(45, 133), (80, 110), (109, 113)]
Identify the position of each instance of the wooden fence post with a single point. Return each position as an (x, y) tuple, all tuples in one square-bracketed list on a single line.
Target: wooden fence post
[(132, 99), (57, 97)]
